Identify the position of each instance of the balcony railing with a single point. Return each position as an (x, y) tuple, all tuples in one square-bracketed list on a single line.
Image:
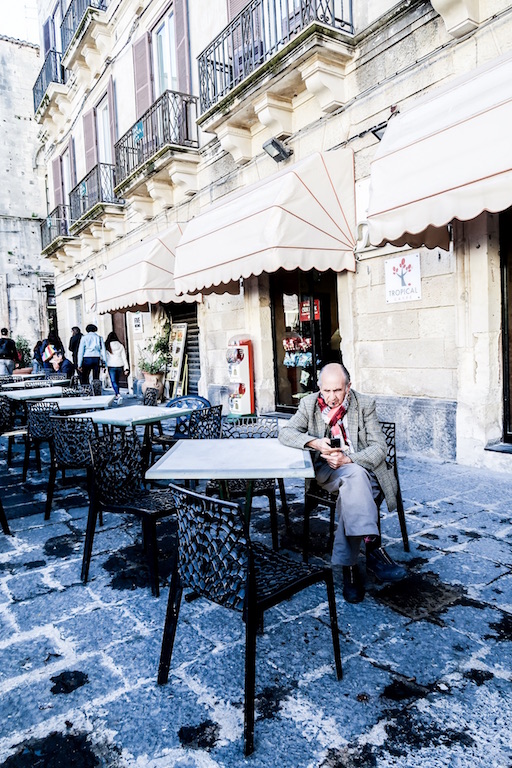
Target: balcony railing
[(262, 29), (55, 225), (95, 188), (73, 17), (170, 120), (52, 71)]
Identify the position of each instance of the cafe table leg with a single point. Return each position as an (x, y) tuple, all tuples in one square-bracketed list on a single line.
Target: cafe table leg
[(248, 501)]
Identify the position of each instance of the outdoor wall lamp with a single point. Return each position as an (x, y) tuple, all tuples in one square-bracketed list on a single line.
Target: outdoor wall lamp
[(379, 129), (277, 150)]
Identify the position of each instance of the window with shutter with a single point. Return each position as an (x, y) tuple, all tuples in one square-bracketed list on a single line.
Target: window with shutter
[(165, 64), (182, 46), (235, 6), (48, 36), (58, 195), (111, 96), (91, 154), (142, 75)]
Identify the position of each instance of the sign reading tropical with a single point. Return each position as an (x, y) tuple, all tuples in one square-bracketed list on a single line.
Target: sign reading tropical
[(403, 278)]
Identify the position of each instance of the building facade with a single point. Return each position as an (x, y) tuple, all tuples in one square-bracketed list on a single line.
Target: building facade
[(259, 129), (27, 299)]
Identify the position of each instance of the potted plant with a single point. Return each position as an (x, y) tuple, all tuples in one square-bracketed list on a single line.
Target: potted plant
[(154, 360), (25, 353)]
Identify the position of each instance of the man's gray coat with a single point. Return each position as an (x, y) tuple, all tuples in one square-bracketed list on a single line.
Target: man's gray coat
[(364, 432)]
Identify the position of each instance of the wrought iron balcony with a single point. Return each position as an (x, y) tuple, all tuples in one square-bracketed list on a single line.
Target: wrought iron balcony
[(56, 225), (73, 18), (253, 37), (96, 188), (170, 120), (52, 71)]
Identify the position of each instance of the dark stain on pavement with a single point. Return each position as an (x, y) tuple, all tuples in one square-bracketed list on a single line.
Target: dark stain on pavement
[(54, 751), (420, 595), (359, 757), (34, 564), (129, 567), (402, 689), (502, 629), (478, 676), (412, 730), (68, 681), (63, 546), (202, 736), (269, 700)]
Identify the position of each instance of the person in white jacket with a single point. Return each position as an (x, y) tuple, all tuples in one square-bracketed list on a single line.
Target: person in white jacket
[(116, 362)]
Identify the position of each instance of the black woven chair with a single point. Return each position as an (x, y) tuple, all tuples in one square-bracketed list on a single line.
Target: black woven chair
[(7, 379), (55, 376), (150, 396), (218, 561), (70, 443), (96, 388), (3, 520), (257, 427), (164, 440), (39, 431), (116, 485), (205, 423), (8, 430), (316, 496), (83, 390)]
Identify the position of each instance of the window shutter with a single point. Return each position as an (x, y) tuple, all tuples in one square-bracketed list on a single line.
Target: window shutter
[(57, 182), (111, 97), (142, 75), (182, 45), (47, 35), (235, 6), (72, 161), (91, 152)]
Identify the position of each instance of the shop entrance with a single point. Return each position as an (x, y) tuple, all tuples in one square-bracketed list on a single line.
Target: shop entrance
[(506, 303), (305, 331)]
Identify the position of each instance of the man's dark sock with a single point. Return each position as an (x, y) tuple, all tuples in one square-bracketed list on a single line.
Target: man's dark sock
[(372, 543)]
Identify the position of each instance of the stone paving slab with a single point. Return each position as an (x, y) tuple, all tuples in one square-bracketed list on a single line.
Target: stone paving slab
[(427, 663)]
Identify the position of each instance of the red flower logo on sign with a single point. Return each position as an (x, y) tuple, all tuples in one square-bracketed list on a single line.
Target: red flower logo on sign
[(401, 271)]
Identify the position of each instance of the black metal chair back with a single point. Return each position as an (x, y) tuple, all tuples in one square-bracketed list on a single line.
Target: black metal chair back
[(96, 387), (6, 414), (150, 396), (117, 466), (38, 384), (217, 560), (71, 437), (3, 520), (55, 376), (250, 426), (186, 401), (7, 379), (205, 423), (38, 420)]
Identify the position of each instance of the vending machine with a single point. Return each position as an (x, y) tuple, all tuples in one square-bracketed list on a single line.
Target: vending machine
[(241, 377)]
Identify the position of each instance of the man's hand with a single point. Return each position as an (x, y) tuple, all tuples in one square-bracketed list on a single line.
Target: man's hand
[(333, 456)]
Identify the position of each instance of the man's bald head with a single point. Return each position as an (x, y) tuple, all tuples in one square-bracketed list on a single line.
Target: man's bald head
[(334, 383)]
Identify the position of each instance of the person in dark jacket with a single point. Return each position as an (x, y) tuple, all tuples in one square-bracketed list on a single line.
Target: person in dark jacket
[(37, 362), (8, 354), (74, 343), (61, 364)]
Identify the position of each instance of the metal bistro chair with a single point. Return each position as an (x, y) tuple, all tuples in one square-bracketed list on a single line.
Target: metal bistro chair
[(150, 396), (80, 391), (96, 388), (7, 426), (165, 439), (55, 376), (316, 496), (257, 427), (116, 485), (39, 430), (70, 438), (205, 423), (217, 560)]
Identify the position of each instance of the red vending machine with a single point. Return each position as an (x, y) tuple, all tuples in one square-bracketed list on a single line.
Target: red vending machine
[(241, 377)]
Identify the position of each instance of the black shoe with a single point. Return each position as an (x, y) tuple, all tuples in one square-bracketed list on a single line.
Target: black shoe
[(380, 565), (353, 587)]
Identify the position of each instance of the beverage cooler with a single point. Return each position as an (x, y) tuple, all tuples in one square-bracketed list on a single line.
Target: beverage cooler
[(241, 377)]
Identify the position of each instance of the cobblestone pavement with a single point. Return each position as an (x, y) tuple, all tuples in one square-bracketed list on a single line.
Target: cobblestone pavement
[(427, 663)]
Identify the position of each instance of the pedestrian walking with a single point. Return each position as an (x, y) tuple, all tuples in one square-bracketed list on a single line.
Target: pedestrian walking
[(117, 362), (49, 347), (74, 343), (8, 354), (37, 361), (91, 354)]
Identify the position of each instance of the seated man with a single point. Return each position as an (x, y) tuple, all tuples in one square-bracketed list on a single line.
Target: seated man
[(61, 364), (356, 469)]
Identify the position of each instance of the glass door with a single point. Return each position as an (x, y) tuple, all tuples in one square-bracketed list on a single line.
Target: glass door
[(305, 331)]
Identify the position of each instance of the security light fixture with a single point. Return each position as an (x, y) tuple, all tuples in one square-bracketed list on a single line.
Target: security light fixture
[(277, 150), (379, 129)]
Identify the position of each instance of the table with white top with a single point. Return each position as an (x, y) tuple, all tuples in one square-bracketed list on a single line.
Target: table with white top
[(37, 393), (135, 415), (232, 459), (96, 402), (29, 384)]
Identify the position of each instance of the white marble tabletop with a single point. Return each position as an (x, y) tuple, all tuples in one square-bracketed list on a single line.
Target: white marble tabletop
[(81, 403), (132, 415), (40, 393), (231, 459), (29, 384)]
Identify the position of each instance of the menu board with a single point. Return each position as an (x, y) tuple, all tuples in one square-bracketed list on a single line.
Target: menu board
[(177, 340)]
